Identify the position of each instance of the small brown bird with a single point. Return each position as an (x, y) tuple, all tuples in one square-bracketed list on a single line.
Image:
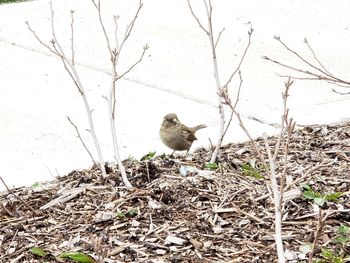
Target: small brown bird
[(177, 136)]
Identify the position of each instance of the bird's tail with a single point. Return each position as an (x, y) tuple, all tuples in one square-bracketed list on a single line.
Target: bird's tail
[(198, 127)]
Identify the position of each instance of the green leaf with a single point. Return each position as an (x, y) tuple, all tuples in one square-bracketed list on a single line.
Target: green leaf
[(309, 195), (38, 251), (307, 187), (35, 185), (132, 212), (249, 170), (333, 196), (212, 166), (343, 230), (78, 257), (320, 201), (327, 254), (120, 215), (342, 240), (148, 156), (338, 260)]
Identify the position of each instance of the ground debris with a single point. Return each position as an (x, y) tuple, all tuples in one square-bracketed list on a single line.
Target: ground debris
[(180, 211)]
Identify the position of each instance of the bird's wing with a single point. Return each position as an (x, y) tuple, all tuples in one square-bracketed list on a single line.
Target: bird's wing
[(189, 133)]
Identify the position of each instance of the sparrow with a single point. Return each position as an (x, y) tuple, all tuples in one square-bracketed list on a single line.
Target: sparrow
[(176, 135)]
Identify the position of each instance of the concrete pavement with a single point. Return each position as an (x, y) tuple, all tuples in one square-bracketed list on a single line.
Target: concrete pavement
[(36, 94)]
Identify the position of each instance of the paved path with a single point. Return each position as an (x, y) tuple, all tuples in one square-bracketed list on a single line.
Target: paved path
[(36, 94)]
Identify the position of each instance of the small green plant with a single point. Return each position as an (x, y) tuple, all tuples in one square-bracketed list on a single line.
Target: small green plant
[(74, 256), (329, 256), (338, 254), (35, 185), (319, 198), (38, 252), (212, 166), (130, 213), (252, 170), (78, 257), (343, 237), (149, 156)]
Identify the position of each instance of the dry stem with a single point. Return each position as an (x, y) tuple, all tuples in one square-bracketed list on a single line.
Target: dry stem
[(277, 204), (317, 72), (114, 56), (322, 218), (69, 66), (220, 90), (81, 140)]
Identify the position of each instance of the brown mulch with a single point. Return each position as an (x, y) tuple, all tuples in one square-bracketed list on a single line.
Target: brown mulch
[(181, 211)]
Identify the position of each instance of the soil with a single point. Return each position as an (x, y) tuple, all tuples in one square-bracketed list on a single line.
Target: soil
[(182, 211)]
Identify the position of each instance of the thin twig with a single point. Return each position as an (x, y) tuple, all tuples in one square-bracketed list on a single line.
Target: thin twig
[(81, 140), (196, 18), (19, 198), (115, 53), (290, 129), (217, 40), (40, 41), (322, 219), (98, 7), (72, 37), (71, 70), (315, 57), (133, 65), (227, 100), (277, 203), (323, 164), (250, 32), (284, 117), (257, 151), (321, 73)]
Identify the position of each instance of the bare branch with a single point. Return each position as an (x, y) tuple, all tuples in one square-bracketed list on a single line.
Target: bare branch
[(322, 219), (277, 203), (128, 30), (217, 40), (40, 41), (250, 32), (300, 57), (115, 53), (133, 65), (321, 73), (196, 18), (290, 129), (81, 140), (227, 101), (98, 7), (284, 117), (72, 37), (71, 70), (315, 57), (257, 151), (115, 19)]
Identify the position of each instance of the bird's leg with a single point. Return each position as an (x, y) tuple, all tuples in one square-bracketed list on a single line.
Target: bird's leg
[(172, 154)]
